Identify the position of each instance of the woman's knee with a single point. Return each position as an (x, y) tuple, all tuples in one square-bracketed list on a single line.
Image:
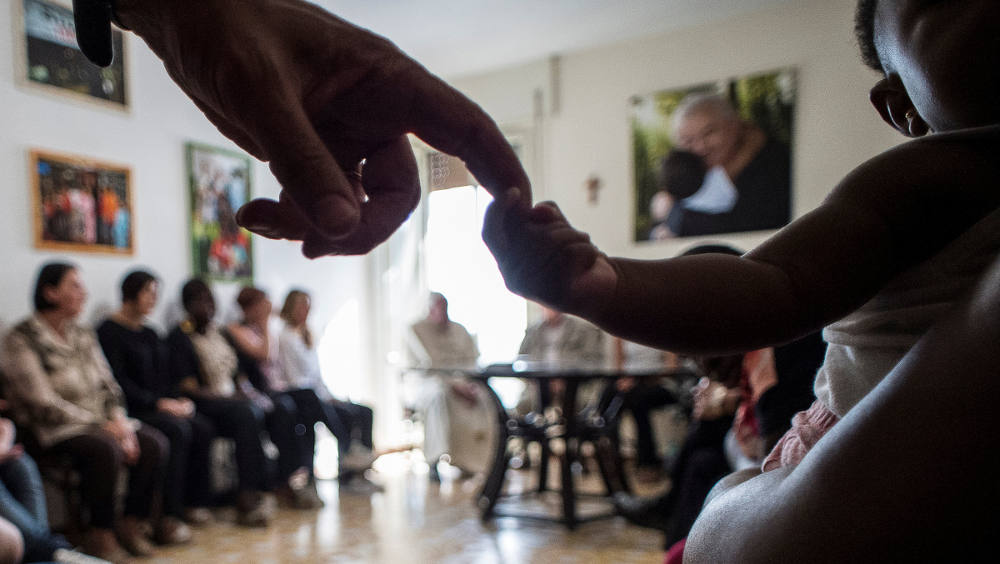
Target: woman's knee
[(11, 543)]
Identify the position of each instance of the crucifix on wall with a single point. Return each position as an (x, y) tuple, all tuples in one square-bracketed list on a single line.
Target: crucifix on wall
[(593, 185)]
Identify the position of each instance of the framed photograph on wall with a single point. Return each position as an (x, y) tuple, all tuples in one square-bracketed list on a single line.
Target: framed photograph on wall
[(714, 158), (50, 60), (219, 183), (81, 204)]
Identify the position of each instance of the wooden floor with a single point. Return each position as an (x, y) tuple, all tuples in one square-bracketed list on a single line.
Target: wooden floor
[(414, 521)]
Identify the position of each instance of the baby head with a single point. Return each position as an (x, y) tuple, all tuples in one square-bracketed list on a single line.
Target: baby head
[(681, 174), (938, 59)]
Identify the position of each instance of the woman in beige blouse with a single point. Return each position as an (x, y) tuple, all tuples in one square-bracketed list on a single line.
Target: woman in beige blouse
[(62, 393)]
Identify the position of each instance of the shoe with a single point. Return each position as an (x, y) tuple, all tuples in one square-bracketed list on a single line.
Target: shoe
[(198, 516), (309, 498), (649, 474), (252, 510), (70, 556), (132, 537), (102, 544), (357, 459), (360, 485), (646, 512), (171, 530)]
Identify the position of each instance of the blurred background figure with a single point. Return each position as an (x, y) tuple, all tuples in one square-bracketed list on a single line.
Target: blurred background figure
[(349, 422), (457, 417)]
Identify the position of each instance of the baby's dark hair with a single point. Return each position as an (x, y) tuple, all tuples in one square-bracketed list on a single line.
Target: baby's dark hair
[(864, 30), (682, 173)]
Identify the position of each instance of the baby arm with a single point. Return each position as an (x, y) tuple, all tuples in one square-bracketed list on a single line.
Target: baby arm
[(890, 213)]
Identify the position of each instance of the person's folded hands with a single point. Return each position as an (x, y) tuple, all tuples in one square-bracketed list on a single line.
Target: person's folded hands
[(317, 98)]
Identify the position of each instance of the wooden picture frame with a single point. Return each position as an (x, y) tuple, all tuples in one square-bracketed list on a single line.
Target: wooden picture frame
[(80, 204), (219, 182), (49, 61)]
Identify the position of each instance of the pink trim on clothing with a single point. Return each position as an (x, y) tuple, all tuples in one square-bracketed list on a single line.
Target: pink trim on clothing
[(808, 427)]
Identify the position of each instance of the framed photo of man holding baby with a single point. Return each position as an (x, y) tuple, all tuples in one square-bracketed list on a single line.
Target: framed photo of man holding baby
[(714, 158)]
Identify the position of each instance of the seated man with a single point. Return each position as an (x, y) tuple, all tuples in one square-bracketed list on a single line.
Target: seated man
[(566, 340), (458, 420)]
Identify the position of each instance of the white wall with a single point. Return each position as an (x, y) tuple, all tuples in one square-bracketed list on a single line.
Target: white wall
[(836, 129), (150, 139)]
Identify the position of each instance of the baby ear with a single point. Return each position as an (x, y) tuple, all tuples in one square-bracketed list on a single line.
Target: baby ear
[(894, 105)]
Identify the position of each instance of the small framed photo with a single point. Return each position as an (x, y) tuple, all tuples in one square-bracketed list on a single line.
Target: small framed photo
[(219, 183), (81, 204), (50, 60)]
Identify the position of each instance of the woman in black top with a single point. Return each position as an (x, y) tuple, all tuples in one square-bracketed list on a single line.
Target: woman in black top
[(138, 359)]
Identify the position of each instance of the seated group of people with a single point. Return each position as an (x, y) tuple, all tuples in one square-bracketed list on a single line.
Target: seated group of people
[(123, 405)]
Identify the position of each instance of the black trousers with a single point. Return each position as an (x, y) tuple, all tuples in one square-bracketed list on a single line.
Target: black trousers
[(641, 400), (243, 422), (99, 460), (188, 467), (291, 425)]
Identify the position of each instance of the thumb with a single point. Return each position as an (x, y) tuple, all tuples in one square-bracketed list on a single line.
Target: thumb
[(305, 168)]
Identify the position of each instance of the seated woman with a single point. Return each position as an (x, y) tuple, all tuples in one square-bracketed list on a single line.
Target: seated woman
[(349, 422), (62, 393), (207, 370), (22, 506), (138, 359), (257, 353)]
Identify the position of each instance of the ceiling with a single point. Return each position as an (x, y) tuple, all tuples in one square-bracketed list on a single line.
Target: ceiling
[(456, 37)]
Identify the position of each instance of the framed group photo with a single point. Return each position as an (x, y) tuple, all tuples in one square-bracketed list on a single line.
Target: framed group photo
[(50, 60), (81, 204), (219, 184), (714, 158)]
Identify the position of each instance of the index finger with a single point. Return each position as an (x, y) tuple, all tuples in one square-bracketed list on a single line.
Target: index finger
[(454, 124)]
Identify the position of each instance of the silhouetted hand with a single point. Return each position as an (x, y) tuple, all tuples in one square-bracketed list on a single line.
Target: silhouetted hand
[(543, 258), (316, 97)]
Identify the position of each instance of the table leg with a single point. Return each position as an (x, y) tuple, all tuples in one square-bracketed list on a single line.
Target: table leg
[(487, 498), (569, 455)]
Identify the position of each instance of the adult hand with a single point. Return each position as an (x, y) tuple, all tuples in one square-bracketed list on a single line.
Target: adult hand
[(182, 408), (121, 430), (316, 97), (8, 449), (466, 391)]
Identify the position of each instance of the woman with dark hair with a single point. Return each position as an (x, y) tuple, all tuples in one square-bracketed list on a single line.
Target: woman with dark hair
[(63, 394), (206, 369), (139, 361)]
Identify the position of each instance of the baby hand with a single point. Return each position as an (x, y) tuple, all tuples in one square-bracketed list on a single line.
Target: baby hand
[(543, 258)]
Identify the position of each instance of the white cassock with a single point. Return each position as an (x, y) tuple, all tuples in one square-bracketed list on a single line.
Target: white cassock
[(464, 430)]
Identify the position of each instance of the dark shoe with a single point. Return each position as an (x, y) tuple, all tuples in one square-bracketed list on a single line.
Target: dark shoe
[(132, 536), (198, 516), (101, 543), (252, 510), (646, 512), (171, 530)]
